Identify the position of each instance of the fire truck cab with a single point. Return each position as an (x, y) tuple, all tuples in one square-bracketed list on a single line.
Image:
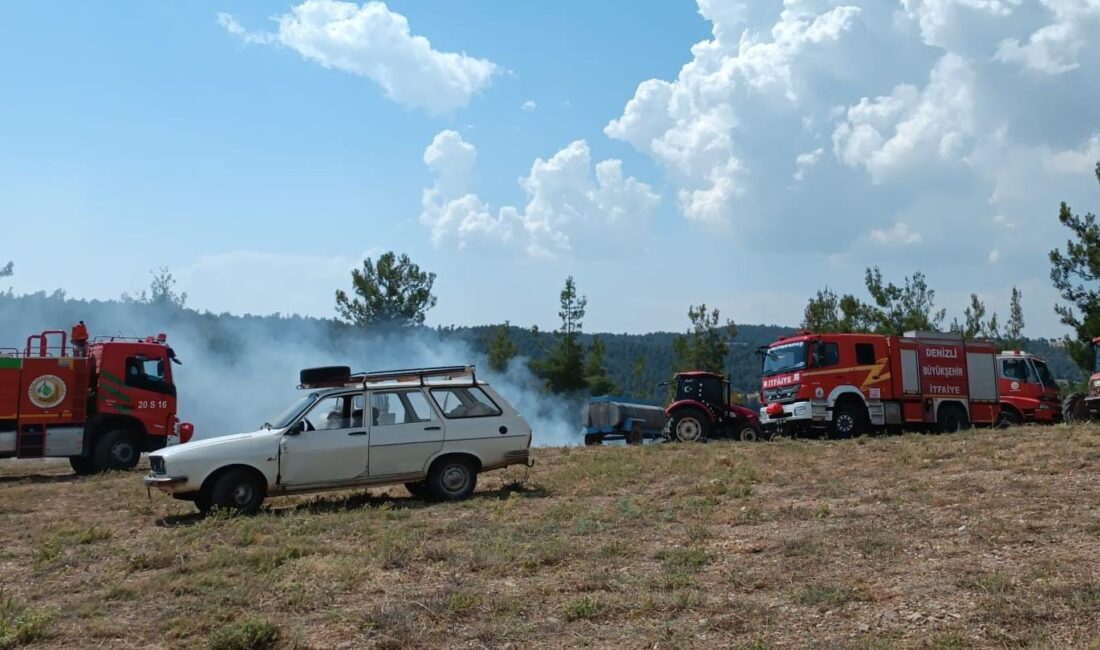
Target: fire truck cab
[(849, 383), (99, 404), (1028, 390)]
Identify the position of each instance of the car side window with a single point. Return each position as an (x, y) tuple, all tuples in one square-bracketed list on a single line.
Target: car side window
[(400, 407), (464, 402), (1014, 369), (148, 374), (335, 412)]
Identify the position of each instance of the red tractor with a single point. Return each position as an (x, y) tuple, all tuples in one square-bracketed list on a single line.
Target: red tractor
[(1078, 407), (100, 403), (703, 408)]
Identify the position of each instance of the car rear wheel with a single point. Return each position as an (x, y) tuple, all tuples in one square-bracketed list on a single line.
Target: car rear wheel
[(636, 436), (82, 465), (451, 479), (238, 490), (952, 419), (690, 425), (847, 421)]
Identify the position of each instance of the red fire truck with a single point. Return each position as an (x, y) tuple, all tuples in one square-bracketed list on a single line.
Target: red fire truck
[(848, 383), (99, 403), (1028, 390)]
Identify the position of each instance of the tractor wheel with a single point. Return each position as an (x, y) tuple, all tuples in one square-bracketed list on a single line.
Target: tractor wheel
[(848, 421), (82, 465), (1009, 417), (1073, 408), (635, 436), (749, 433), (690, 425), (952, 419), (119, 449), (593, 439)]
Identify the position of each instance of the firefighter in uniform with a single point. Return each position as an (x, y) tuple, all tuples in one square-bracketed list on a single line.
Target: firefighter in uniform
[(80, 339)]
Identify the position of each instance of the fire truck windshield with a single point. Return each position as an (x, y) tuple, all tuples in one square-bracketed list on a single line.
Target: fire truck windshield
[(784, 358), (1045, 376), (293, 411)]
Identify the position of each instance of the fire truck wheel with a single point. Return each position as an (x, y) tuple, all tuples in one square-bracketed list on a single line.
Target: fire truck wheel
[(237, 490), (847, 421), (952, 419), (750, 433), (635, 436), (1008, 418), (451, 478), (118, 449), (690, 425), (82, 465)]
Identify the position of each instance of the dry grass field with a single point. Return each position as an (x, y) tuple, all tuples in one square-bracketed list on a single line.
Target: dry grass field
[(986, 539)]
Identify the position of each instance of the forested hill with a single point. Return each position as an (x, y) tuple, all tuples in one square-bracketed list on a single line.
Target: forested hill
[(636, 362)]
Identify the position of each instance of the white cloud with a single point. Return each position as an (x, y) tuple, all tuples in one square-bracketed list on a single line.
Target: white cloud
[(937, 18), (568, 199), (1003, 222), (900, 234), (994, 256), (372, 41), (1054, 48), (529, 105), (1074, 161), (806, 160), (688, 125), (890, 133)]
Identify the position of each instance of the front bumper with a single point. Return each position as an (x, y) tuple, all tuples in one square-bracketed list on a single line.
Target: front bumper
[(805, 412), (165, 483)]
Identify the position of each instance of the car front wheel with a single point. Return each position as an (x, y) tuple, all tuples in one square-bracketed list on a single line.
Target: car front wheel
[(238, 490)]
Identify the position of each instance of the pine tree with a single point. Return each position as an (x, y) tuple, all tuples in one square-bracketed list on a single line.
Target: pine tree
[(395, 293), (1075, 273), (706, 345), (502, 349), (1014, 328), (7, 270), (595, 370), (563, 367)]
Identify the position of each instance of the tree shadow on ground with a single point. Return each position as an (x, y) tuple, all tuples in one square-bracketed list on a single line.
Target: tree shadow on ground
[(39, 478)]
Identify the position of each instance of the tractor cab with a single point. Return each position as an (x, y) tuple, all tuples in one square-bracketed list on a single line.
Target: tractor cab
[(702, 408)]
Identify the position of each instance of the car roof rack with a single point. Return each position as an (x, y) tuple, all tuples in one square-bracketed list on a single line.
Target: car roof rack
[(416, 374)]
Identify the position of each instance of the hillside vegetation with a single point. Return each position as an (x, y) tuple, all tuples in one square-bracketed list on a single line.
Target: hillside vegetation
[(989, 538)]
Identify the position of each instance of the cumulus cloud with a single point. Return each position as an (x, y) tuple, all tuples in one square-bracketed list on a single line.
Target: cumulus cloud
[(568, 198), (994, 256), (806, 160), (372, 41), (1054, 48), (529, 105), (900, 234), (689, 125), (1074, 161), (892, 132)]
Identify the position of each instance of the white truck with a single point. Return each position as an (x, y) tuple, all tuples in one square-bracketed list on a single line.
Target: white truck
[(432, 429)]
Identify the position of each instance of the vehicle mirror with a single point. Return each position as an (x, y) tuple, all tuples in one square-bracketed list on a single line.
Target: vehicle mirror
[(298, 428)]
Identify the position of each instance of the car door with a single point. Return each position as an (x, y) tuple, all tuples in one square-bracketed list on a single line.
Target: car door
[(329, 444), (405, 431)]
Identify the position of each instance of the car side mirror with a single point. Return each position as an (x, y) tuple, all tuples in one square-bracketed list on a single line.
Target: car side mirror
[(298, 428)]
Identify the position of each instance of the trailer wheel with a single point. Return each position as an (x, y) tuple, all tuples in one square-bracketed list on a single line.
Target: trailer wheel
[(119, 449), (952, 419), (82, 465), (690, 425), (237, 490), (1073, 408), (635, 436), (593, 439)]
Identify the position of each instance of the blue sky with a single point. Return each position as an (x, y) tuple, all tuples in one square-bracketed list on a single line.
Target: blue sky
[(663, 153)]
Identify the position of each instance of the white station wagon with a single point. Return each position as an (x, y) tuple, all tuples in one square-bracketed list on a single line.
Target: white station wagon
[(433, 429)]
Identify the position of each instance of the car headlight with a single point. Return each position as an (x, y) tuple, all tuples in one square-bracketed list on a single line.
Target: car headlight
[(156, 465)]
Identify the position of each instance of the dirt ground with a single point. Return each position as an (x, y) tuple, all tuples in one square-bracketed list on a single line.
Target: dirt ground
[(989, 538)]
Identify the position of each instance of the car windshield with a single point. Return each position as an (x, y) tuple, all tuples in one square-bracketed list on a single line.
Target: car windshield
[(1044, 373), (294, 410), (784, 358)]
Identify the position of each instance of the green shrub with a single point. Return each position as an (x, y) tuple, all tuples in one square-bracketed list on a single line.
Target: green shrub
[(244, 635)]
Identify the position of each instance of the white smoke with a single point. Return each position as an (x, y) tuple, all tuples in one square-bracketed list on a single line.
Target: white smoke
[(238, 373)]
